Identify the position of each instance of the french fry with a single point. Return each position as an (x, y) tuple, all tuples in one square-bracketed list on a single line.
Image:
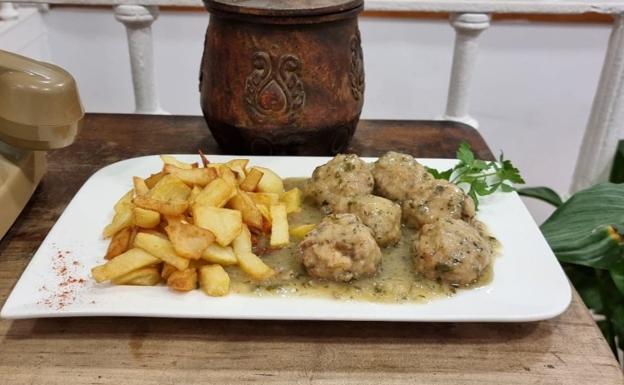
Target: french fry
[(193, 176), (292, 199), (251, 180), (266, 199), (146, 276), (242, 243), (145, 218), (254, 266), (161, 249), (266, 215), (140, 187), (213, 280), (243, 203), (225, 224), (170, 188), (216, 194), (168, 159), (279, 226), (124, 201), (189, 241), (172, 208), (119, 244), (218, 254), (153, 232), (153, 179), (301, 230), (270, 182), (185, 280), (166, 271), (238, 167), (228, 175), (121, 220), (204, 159), (132, 259), (194, 193)]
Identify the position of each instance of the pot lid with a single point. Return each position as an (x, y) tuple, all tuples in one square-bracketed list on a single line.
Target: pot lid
[(283, 7)]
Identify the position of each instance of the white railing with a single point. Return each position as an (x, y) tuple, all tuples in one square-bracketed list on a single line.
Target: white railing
[(468, 17)]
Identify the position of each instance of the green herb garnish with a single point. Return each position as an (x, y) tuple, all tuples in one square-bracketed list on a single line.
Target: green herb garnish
[(479, 177)]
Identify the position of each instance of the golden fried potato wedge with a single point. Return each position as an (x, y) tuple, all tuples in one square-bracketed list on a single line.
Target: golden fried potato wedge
[(119, 244), (270, 182), (189, 241), (251, 180), (185, 280), (238, 167), (193, 176), (194, 193), (225, 224), (219, 254), (204, 158), (161, 249), (228, 175), (132, 259), (213, 280), (266, 218), (166, 271), (153, 179), (266, 199), (253, 266), (121, 220), (146, 276), (279, 226), (292, 199), (170, 188), (243, 203), (301, 230), (172, 208), (125, 201), (140, 187), (169, 159), (242, 243), (216, 194), (145, 218)]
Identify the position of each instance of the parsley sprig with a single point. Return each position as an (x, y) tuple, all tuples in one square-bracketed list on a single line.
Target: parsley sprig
[(479, 177)]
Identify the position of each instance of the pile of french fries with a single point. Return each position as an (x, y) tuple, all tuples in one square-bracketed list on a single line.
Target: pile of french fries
[(186, 223)]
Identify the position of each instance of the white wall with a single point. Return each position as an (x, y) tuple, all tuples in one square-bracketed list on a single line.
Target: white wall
[(532, 89)]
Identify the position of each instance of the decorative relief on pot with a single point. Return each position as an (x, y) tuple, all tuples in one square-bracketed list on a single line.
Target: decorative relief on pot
[(273, 90), (356, 71)]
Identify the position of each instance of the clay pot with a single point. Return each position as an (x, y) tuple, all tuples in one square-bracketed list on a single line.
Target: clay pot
[(282, 76)]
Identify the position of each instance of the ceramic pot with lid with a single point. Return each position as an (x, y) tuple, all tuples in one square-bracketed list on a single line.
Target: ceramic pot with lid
[(282, 76)]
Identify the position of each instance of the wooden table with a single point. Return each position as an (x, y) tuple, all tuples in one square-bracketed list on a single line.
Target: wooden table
[(125, 351)]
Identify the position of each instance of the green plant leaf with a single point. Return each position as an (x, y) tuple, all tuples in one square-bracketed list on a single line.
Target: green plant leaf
[(440, 174), (585, 281), (583, 212), (618, 279), (545, 194), (617, 171), (601, 248), (464, 153)]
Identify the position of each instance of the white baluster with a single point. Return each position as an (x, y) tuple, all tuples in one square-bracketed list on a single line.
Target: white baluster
[(606, 119), (8, 11), (467, 27), (138, 20)]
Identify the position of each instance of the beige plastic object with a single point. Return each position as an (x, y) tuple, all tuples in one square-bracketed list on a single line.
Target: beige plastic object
[(39, 110)]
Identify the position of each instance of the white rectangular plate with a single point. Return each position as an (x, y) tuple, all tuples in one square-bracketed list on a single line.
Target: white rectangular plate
[(528, 282)]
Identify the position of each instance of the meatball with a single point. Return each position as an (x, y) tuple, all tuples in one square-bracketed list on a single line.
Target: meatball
[(342, 177), (436, 199), (452, 251), (340, 248), (381, 215), (397, 174)]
